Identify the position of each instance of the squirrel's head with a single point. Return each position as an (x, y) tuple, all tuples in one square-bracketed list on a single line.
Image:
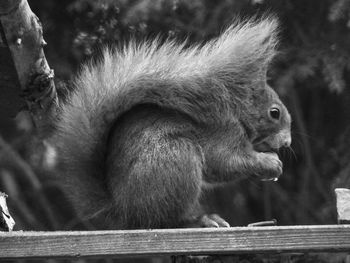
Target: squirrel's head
[(267, 120), (248, 51)]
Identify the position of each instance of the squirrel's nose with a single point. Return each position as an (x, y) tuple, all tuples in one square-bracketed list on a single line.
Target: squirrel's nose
[(287, 141)]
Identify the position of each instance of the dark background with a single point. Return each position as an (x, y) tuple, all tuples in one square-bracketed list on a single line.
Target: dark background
[(311, 74)]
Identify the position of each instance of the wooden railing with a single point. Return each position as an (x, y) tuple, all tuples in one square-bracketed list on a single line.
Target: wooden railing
[(132, 243)]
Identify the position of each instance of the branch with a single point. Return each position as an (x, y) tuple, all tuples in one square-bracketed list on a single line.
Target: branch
[(24, 36)]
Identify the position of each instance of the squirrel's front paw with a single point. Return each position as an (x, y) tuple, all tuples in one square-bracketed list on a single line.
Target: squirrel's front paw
[(270, 165)]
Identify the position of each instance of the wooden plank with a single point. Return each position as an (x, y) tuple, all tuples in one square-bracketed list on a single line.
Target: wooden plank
[(343, 205), (326, 238)]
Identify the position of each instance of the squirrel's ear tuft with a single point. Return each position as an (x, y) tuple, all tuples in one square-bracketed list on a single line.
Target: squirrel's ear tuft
[(245, 49)]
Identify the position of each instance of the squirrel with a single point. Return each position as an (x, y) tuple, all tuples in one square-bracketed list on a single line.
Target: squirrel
[(150, 127)]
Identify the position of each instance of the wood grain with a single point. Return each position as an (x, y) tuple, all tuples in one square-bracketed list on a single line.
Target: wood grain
[(326, 238)]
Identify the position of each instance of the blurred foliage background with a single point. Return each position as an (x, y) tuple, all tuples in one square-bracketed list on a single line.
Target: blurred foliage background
[(311, 74)]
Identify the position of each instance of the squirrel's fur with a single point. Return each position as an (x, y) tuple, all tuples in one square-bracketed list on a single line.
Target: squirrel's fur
[(150, 126)]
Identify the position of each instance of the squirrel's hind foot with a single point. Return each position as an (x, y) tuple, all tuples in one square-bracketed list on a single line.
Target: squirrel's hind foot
[(211, 220)]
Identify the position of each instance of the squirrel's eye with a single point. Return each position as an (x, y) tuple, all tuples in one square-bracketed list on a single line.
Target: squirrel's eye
[(275, 113)]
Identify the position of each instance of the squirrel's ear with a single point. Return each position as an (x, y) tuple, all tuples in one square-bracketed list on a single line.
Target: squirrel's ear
[(245, 49)]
